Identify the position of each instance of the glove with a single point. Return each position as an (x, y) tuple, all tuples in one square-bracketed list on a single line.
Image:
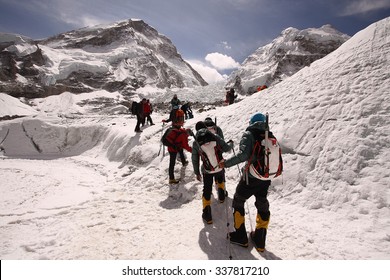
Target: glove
[(221, 164), (199, 177), (189, 132)]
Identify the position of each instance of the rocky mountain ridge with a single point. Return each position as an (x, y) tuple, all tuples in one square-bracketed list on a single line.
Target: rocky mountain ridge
[(122, 57), (287, 54)]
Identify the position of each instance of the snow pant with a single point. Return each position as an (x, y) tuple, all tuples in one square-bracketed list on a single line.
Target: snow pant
[(244, 190), (208, 180), (149, 119), (139, 121), (172, 162)]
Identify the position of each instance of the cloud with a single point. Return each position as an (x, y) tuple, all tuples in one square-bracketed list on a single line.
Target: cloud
[(221, 61), (82, 21), (226, 45), (242, 5), (364, 6), (209, 74)]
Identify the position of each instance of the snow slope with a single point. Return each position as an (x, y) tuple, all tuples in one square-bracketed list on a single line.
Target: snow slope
[(11, 106), (291, 51), (88, 187)]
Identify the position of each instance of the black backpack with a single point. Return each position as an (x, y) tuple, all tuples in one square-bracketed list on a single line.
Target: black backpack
[(135, 108)]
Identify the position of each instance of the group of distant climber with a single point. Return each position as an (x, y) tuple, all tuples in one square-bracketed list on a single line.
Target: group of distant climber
[(258, 148), (230, 96), (142, 111)]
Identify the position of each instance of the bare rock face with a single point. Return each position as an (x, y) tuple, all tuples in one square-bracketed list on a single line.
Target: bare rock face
[(122, 57), (290, 52)]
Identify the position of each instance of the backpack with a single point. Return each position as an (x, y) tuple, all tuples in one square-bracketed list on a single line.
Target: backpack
[(135, 108), (169, 136), (266, 162), (209, 150)]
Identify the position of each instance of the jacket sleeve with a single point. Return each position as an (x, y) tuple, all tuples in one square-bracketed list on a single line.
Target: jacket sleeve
[(220, 133), (184, 141), (225, 147), (245, 150), (195, 158)]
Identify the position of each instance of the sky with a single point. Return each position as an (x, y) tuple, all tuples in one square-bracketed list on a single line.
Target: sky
[(215, 36), (78, 183)]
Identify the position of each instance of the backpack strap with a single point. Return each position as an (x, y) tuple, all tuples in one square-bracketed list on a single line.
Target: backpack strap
[(258, 137)]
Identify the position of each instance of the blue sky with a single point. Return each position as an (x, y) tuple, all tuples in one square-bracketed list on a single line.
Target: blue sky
[(222, 30)]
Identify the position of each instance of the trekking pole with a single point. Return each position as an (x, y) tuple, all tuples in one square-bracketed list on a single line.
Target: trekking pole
[(161, 144), (246, 202), (267, 151), (227, 225)]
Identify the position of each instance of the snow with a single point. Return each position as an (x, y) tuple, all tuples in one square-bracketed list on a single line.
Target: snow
[(77, 185), (261, 66), (10, 106), (119, 59)]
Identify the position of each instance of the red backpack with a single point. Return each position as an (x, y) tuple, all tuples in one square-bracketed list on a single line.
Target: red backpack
[(170, 135)]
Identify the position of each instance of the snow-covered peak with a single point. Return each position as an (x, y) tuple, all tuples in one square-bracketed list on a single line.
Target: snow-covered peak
[(120, 56), (285, 55)]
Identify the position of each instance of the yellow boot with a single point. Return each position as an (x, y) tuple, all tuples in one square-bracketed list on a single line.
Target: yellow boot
[(206, 215), (259, 235), (239, 236)]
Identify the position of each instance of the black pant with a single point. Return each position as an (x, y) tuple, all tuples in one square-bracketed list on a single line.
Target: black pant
[(208, 182), (255, 187), (149, 119), (172, 162), (139, 121)]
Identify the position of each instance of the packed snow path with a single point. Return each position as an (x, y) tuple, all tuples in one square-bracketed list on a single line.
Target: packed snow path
[(65, 197)]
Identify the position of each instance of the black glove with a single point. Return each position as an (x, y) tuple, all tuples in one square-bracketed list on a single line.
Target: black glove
[(190, 132)]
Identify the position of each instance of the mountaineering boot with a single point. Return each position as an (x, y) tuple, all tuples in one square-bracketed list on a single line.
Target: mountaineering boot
[(221, 192), (239, 237), (259, 235), (258, 238), (206, 214), (173, 181)]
